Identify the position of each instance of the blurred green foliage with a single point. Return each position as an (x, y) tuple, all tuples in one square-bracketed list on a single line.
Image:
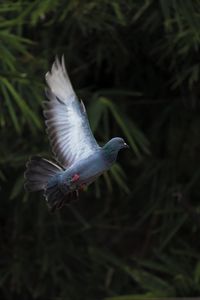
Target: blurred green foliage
[(135, 233)]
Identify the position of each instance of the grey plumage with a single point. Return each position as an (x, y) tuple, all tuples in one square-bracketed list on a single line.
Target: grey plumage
[(72, 142), (38, 172), (66, 119)]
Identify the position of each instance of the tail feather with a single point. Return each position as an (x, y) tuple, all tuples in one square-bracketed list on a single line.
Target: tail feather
[(38, 172), (54, 199), (39, 175)]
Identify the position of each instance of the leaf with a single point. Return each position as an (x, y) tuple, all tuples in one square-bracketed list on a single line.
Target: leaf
[(147, 296), (17, 188), (173, 231), (95, 112), (27, 113), (119, 177), (122, 124), (2, 176), (11, 109)]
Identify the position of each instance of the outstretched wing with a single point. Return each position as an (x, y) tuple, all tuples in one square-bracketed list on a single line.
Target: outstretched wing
[(66, 119)]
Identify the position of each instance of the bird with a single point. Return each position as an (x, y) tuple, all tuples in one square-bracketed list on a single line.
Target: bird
[(78, 158)]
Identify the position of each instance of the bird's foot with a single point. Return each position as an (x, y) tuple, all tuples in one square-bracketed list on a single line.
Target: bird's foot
[(77, 194), (83, 187), (75, 177)]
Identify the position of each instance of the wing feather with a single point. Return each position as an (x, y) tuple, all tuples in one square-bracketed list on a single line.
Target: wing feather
[(66, 119)]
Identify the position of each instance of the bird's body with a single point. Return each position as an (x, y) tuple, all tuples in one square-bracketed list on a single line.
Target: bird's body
[(87, 169), (82, 173), (81, 159)]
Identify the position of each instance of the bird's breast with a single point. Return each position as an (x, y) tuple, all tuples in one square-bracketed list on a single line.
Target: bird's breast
[(87, 170)]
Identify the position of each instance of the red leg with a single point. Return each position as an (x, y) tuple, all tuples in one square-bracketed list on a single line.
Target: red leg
[(75, 177)]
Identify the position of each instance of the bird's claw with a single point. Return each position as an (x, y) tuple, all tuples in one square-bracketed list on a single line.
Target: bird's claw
[(77, 194), (75, 177)]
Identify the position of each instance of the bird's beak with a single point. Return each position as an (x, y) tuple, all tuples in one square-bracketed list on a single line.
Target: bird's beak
[(125, 145)]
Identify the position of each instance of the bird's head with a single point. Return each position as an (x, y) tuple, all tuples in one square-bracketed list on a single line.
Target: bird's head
[(115, 145)]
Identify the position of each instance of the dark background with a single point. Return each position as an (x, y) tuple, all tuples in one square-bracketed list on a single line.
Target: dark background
[(135, 233)]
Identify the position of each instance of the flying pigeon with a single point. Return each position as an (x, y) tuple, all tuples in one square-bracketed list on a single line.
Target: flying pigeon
[(80, 160)]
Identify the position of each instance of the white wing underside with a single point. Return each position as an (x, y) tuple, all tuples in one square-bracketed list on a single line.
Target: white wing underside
[(66, 119)]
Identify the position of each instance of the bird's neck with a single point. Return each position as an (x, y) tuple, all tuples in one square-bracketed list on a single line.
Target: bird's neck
[(110, 154)]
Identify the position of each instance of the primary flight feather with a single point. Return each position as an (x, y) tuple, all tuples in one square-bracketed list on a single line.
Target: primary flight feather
[(81, 160)]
